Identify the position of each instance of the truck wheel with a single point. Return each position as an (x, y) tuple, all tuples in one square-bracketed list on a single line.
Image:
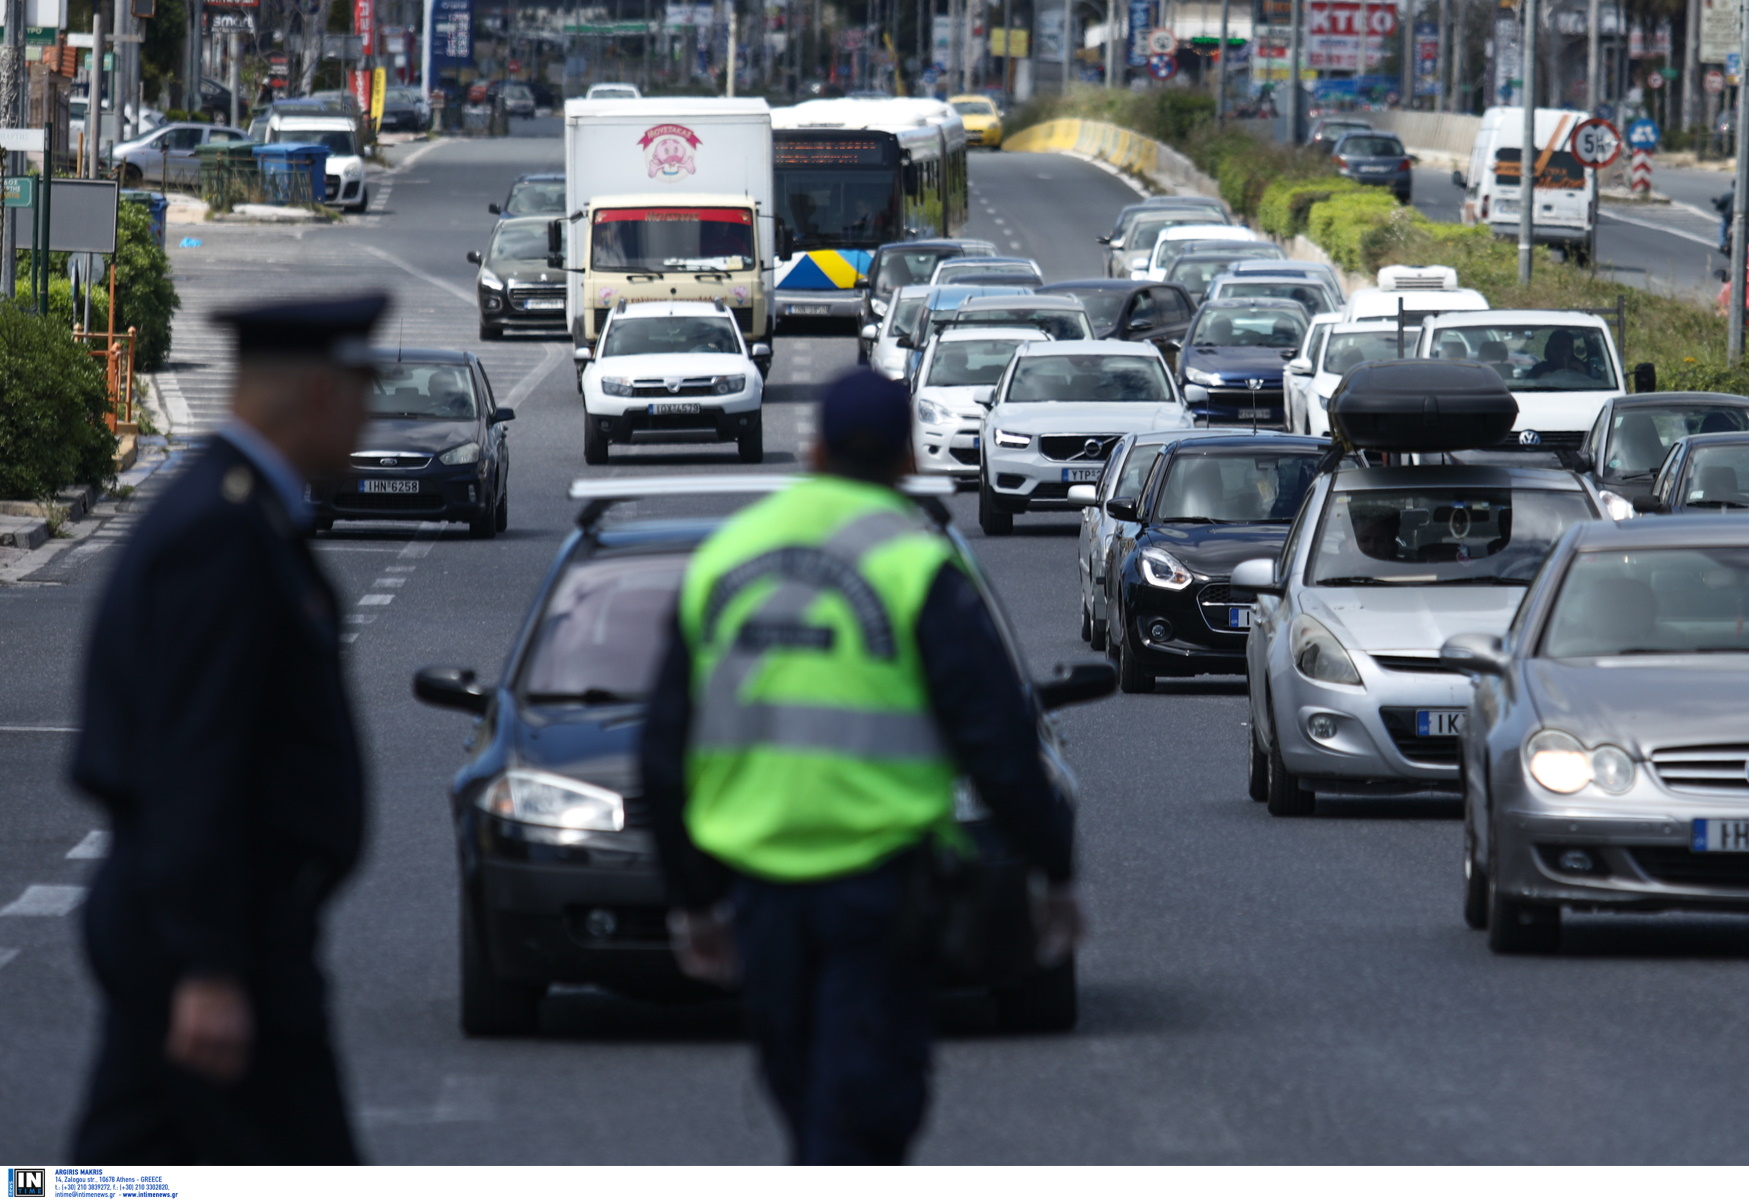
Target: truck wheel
[(491, 1006), (1044, 1002), (751, 444), (594, 442)]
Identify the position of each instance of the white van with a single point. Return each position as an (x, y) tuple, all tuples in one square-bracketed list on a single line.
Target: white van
[(1565, 192), (347, 187)]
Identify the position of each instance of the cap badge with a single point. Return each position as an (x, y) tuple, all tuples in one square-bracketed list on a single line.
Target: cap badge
[(238, 483)]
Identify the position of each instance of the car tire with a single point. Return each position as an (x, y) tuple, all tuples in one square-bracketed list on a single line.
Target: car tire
[(995, 522), (1475, 883), (132, 176), (1100, 634), (1131, 675), (594, 442), (486, 524), (1086, 623), (751, 445), (490, 1006), (1286, 796), (363, 205), (1515, 928), (1044, 1002), (1257, 774), (501, 515), (491, 333)]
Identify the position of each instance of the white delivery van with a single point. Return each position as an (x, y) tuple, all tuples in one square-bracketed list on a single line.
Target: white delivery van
[(337, 133), (1565, 193), (671, 199)]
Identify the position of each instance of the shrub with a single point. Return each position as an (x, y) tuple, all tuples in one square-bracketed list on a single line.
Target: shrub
[(144, 296), (1287, 203), (1340, 223), (52, 409)]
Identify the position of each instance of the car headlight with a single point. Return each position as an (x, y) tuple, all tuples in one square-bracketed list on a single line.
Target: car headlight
[(613, 386), (540, 799), (727, 385), (1207, 379), (878, 305), (489, 279), (1163, 570), (1318, 655), (1013, 441), (1560, 763), (467, 452), (930, 413), (1616, 508)]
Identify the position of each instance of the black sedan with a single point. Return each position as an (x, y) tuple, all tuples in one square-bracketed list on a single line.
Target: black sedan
[(1703, 473), (559, 879), (1632, 435), (435, 448), (1207, 505), (1132, 310), (515, 287), (1230, 366)]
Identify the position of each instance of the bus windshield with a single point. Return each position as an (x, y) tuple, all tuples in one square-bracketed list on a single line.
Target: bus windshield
[(657, 240), (836, 190)]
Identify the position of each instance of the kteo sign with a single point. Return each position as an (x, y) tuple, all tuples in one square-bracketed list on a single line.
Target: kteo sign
[(1346, 20)]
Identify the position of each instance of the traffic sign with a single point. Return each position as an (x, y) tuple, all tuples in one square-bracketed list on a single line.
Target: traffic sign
[(1596, 143), (1162, 41), (1714, 82), (1654, 81), (1644, 134), (19, 193), (1162, 66)]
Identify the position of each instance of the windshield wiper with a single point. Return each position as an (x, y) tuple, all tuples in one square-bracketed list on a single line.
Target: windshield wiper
[(1718, 504), (589, 696), (1363, 581), (1188, 521), (1486, 579), (1637, 475)]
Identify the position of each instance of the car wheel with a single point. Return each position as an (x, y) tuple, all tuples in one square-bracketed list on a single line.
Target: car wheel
[(1515, 928), (363, 205), (751, 444), (1131, 675), (1044, 1002), (491, 1006), (1257, 775), (1286, 796), (594, 442), (1086, 623), (491, 333), (1100, 634), (501, 516), (132, 176), (486, 524), (996, 523), (1475, 883)]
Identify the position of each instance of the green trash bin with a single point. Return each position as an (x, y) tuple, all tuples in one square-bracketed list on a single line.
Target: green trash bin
[(229, 175)]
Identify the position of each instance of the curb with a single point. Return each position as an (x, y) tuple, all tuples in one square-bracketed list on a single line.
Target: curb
[(23, 533)]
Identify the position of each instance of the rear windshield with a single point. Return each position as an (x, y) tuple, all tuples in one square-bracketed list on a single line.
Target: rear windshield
[(1441, 536), (1251, 488), (603, 630), (1370, 147), (1094, 377), (1064, 325), (1640, 437), (970, 363), (423, 390)]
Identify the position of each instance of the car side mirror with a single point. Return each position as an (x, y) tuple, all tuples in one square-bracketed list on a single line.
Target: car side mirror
[(903, 342), (473, 256), (451, 688), (1082, 494), (1645, 377), (1457, 180), (1256, 575), (861, 281), (1174, 345), (1137, 324), (985, 396), (1074, 685), (759, 350), (871, 333), (556, 262), (1103, 239), (556, 236), (583, 355), (1299, 366), (1649, 504), (1475, 654), (1582, 461), (1288, 354), (503, 414), (1122, 507), (494, 209)]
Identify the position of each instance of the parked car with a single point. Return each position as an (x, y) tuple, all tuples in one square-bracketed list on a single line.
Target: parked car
[(515, 287), (169, 155), (345, 182), (405, 110)]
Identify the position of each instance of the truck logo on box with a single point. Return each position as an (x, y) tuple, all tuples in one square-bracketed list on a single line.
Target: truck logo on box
[(668, 151)]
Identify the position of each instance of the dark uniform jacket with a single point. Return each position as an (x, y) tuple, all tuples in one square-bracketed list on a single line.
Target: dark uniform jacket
[(218, 734)]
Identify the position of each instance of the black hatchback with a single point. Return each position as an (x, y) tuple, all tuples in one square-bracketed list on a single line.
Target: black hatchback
[(435, 448), (559, 877), (1131, 310)]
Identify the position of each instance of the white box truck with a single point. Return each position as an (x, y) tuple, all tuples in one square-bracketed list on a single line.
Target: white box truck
[(669, 199), (1565, 193)]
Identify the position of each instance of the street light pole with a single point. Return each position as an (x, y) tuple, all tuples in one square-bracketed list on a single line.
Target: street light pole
[(1295, 21), (1221, 69), (1527, 155), (1740, 216), (1594, 55), (1068, 29)]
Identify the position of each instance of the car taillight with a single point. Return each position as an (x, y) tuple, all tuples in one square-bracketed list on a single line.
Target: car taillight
[(1403, 166), (1484, 208), (1339, 161)]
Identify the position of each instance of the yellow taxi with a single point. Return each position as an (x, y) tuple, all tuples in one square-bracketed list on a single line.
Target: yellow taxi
[(983, 123)]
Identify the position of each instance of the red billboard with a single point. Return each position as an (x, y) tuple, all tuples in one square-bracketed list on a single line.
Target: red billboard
[(1337, 18), (364, 24)]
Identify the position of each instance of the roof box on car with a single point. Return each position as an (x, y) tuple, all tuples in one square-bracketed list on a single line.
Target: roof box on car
[(1399, 278), (1422, 405)]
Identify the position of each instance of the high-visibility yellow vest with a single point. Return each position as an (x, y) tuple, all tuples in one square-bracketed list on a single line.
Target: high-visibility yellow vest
[(813, 751)]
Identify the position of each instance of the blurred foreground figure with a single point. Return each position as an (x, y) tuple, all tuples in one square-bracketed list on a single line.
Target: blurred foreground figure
[(218, 735), (832, 672)]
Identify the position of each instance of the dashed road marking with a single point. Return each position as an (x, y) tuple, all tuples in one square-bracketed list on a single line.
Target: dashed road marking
[(459, 1099), (46, 900), (7, 955), (389, 581), (94, 845), (377, 598), (39, 729)]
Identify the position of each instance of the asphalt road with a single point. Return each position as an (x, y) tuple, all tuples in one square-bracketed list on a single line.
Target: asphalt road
[(1255, 989)]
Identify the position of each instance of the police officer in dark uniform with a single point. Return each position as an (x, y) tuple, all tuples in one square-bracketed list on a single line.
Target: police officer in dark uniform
[(218, 735)]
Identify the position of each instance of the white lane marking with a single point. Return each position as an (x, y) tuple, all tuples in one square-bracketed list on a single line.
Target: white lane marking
[(465, 297), (1663, 229), (415, 156), (401, 567), (94, 845), (459, 1099), (554, 353), (39, 729), (46, 900), (7, 955), (377, 598), (389, 581), (349, 637), (358, 619), (1014, 245)]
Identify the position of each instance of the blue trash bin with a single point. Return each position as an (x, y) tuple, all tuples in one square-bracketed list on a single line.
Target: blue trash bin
[(291, 172), (157, 205)]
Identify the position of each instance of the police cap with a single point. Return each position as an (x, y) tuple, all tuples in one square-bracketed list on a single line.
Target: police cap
[(865, 419), (336, 330)]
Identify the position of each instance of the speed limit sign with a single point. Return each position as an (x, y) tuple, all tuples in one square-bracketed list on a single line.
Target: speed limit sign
[(1596, 144), (1162, 41)]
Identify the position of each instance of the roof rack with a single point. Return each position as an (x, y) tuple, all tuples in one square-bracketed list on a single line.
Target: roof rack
[(600, 496)]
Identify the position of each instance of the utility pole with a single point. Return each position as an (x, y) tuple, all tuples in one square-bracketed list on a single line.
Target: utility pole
[(1068, 40), (13, 106), (1295, 21), (1221, 69), (1594, 55), (1008, 48), (1691, 118), (1406, 40), (1740, 216), (1442, 99), (235, 81), (1527, 156), (729, 69), (93, 105)]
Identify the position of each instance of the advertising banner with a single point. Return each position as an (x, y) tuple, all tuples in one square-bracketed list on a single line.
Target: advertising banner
[(364, 24), (1721, 29), (452, 33), (1426, 58), (359, 84), (1141, 14), (1336, 29)]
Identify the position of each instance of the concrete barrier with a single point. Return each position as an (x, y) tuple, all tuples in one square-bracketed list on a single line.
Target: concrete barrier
[(1451, 135), (1124, 149)]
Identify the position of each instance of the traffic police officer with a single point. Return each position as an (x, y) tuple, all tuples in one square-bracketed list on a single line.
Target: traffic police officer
[(832, 672), (217, 734)]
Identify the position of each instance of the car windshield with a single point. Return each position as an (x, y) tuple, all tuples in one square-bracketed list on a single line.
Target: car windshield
[(901, 268), (975, 108), (655, 240), (1095, 377), (536, 198), (603, 630), (334, 141), (1717, 476), (521, 242), (1309, 295), (1275, 328), (1649, 602), (1535, 358), (1102, 304), (1064, 325), (1344, 352), (1441, 536), (427, 390), (1370, 147), (959, 364), (1640, 437), (1224, 487), (670, 335)]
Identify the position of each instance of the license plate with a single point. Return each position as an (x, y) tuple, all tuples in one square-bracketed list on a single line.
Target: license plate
[(810, 310), (1239, 617), (1258, 414), (1082, 475), (1439, 723), (1727, 834), (977, 442), (388, 485), (673, 409), (544, 304)]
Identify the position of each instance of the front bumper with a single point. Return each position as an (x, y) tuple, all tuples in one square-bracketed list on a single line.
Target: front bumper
[(511, 308), (342, 190), (1197, 638), (1237, 406), (1375, 741), (946, 449), (843, 305), (720, 421), (442, 493), (1026, 479)]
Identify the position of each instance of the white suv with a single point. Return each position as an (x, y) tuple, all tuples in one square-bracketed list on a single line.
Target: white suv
[(671, 370), (1058, 411), (958, 376)]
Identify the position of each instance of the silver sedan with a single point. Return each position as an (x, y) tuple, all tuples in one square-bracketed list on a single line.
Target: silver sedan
[(1605, 752)]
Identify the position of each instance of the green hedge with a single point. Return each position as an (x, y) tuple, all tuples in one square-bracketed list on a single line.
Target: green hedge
[(1287, 203), (144, 296), (1342, 224), (52, 409)]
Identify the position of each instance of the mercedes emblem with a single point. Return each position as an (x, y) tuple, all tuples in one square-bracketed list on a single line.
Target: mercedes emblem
[(1529, 438)]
